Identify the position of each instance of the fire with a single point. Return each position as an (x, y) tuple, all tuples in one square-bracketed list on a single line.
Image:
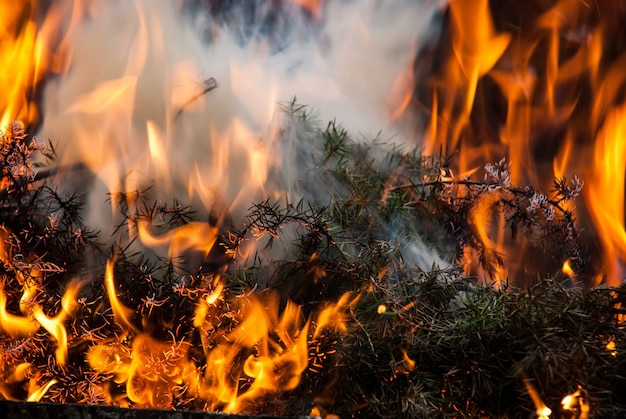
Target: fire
[(312, 6), (131, 111), (21, 58), (482, 218), (137, 112), (535, 86), (22, 373), (27, 325), (476, 49), (33, 313), (266, 351), (567, 269), (333, 316), (409, 363), (197, 236), (121, 313), (14, 325), (55, 325), (576, 403), (611, 347), (605, 194), (543, 411), (29, 50)]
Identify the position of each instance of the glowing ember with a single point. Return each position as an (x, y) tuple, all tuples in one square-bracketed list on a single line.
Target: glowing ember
[(611, 347)]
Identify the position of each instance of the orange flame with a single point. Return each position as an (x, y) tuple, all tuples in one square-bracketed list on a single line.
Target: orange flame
[(266, 351), (26, 372), (28, 51), (605, 193), (543, 411), (23, 326), (537, 93), (312, 6), (54, 325), (567, 269), (611, 347), (401, 94), (482, 219), (476, 49), (16, 326), (576, 403), (409, 363), (121, 313), (332, 316), (193, 236)]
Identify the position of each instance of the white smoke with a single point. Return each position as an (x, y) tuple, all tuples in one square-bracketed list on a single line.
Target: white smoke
[(154, 58)]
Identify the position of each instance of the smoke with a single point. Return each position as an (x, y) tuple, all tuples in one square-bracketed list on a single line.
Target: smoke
[(131, 106)]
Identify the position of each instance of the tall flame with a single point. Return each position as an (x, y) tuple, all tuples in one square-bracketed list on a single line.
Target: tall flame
[(536, 85), (605, 193), (543, 411), (29, 50)]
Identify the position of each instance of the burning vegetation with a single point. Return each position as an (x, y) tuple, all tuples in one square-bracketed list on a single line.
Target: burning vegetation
[(195, 243)]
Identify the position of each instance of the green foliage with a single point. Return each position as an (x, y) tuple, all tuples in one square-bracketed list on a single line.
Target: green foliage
[(423, 340)]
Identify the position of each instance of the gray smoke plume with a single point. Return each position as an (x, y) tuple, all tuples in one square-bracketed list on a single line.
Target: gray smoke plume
[(131, 106)]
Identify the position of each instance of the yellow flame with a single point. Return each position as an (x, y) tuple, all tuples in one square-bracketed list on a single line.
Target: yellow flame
[(36, 392), (611, 347), (266, 352), (22, 372), (28, 51), (576, 403), (21, 58), (543, 411), (158, 153), (605, 191), (333, 317), (409, 364), (567, 269), (54, 325), (193, 236), (543, 94), (122, 314), (15, 326)]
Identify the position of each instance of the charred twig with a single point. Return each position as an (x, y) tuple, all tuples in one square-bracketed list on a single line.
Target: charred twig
[(209, 84), (526, 192)]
